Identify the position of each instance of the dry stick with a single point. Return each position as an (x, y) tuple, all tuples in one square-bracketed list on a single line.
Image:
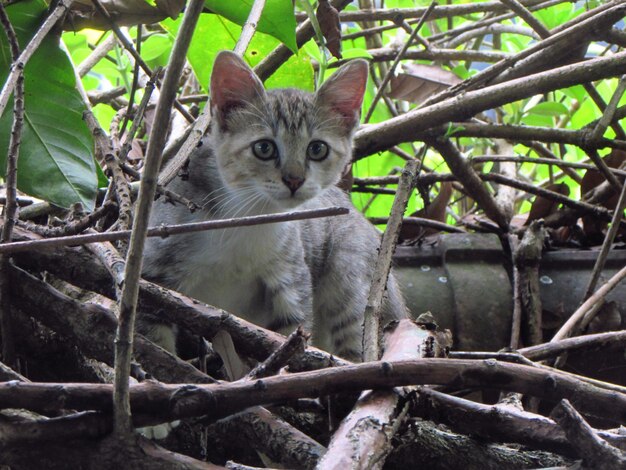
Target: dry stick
[(170, 195), (399, 56), (432, 53), (96, 55), (541, 150), (608, 242), (590, 303), (604, 169), (121, 37), (382, 267), (403, 128), (530, 133), (609, 112), (527, 258), (10, 208), (612, 12), (73, 227), (138, 118), (487, 22), (527, 16), (19, 63), (293, 345), (595, 341), (499, 423), (471, 181), (158, 402), (420, 221), (516, 319), (581, 206), (544, 33), (249, 27), (80, 268), (273, 437), (441, 11), (6, 374), (553, 195), (130, 291), (167, 230), (540, 160), (363, 438), (596, 452), (506, 195), (173, 166), (104, 152)]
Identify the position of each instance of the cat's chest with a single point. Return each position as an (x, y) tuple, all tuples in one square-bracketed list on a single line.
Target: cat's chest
[(226, 267)]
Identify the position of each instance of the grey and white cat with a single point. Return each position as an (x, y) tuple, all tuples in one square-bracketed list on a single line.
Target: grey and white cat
[(269, 151)]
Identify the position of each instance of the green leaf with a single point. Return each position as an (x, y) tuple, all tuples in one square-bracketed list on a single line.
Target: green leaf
[(277, 19), (296, 72), (548, 108), (56, 160)]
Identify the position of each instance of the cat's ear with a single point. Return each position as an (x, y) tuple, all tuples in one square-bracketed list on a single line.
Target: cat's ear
[(233, 85), (343, 91)]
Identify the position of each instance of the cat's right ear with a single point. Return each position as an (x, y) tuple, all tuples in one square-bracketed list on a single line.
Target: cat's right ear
[(233, 85)]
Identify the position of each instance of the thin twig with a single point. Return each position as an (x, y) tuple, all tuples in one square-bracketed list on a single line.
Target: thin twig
[(421, 222), (604, 169), (607, 244), (470, 179), (543, 161), (399, 56), (595, 451), (97, 54), (527, 16), (554, 348), (167, 230), (133, 52), (609, 112), (19, 63), (249, 27), (130, 291), (138, 117), (590, 303), (371, 318), (294, 344), (6, 322)]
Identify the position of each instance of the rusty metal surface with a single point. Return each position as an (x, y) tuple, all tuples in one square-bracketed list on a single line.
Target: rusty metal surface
[(464, 280)]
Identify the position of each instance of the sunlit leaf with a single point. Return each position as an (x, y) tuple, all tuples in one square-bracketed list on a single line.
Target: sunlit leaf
[(56, 156), (277, 20)]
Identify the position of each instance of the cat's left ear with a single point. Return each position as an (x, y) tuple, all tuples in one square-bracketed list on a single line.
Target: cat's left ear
[(343, 91), (233, 85)]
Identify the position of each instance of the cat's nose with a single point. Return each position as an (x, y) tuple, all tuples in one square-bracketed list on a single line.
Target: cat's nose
[(293, 183)]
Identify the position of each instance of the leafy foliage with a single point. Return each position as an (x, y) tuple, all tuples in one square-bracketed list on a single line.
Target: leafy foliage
[(56, 157)]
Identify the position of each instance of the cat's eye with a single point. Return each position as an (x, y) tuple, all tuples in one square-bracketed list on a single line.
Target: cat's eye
[(317, 150), (264, 149)]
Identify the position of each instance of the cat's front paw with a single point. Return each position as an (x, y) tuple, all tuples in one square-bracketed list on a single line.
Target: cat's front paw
[(158, 432)]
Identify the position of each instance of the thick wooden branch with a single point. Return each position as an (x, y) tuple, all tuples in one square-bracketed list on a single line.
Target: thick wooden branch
[(157, 402), (363, 439), (403, 128), (596, 452), (500, 423), (92, 328), (79, 267), (454, 451)]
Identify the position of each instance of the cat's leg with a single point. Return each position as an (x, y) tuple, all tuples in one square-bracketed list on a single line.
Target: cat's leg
[(341, 299), (288, 291)]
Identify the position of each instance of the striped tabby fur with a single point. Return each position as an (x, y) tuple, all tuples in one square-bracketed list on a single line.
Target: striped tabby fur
[(271, 151)]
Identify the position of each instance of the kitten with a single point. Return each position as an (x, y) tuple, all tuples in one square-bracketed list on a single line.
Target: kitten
[(270, 151)]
